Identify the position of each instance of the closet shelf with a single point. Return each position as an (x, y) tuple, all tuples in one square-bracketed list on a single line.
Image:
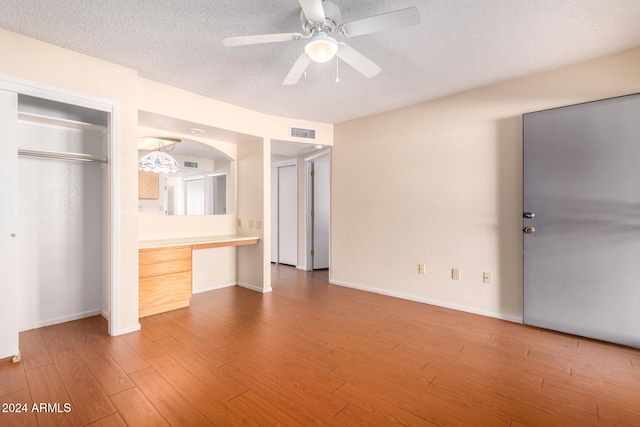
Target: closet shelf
[(78, 157), (54, 121)]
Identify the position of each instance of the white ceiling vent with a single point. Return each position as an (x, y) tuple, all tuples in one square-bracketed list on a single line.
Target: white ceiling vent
[(298, 132), (188, 164)]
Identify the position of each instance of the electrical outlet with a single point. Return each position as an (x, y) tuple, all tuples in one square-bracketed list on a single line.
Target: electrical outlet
[(420, 268), (258, 224), (456, 274), (239, 222), (486, 277), (250, 223)]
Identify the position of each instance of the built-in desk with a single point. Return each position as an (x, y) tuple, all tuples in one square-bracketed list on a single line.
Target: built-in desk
[(165, 270), (201, 242)]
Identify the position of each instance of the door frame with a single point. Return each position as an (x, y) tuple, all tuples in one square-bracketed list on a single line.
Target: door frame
[(308, 200), (30, 88)]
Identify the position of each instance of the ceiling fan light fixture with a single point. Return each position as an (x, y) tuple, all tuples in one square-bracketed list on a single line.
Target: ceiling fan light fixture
[(321, 48)]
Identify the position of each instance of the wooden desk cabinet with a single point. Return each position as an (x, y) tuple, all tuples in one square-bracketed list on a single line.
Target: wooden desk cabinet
[(164, 279), (165, 270)]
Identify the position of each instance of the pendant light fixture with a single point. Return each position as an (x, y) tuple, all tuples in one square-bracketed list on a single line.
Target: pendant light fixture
[(158, 161)]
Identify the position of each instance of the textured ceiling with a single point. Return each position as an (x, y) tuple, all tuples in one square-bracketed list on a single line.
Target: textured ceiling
[(460, 44)]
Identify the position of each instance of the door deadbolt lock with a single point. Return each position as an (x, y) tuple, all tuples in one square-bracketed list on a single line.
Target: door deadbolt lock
[(528, 215), (529, 230)]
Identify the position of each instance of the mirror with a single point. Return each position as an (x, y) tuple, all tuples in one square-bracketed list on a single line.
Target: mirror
[(197, 194), (200, 188)]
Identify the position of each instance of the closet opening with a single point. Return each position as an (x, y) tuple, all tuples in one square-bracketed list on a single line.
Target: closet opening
[(63, 267)]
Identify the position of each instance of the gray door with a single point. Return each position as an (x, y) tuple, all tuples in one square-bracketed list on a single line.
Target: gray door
[(582, 182), (321, 212)]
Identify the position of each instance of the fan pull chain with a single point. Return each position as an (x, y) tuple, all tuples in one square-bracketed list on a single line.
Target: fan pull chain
[(337, 70)]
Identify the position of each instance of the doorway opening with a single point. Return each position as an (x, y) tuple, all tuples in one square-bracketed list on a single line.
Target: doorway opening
[(318, 198), (284, 213), (303, 172)]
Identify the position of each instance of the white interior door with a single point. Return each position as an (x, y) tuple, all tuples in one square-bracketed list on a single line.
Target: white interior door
[(321, 212), (582, 219), (194, 200), (274, 214), (8, 223), (287, 215)]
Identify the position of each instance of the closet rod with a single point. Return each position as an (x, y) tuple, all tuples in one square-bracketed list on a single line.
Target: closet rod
[(78, 157)]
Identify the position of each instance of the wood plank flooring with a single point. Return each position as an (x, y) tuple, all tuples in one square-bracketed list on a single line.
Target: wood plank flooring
[(311, 353)]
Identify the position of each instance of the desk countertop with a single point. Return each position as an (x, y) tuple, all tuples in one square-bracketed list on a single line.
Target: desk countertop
[(230, 240)]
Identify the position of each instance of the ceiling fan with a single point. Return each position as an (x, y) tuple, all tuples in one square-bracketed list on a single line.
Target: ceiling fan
[(320, 21)]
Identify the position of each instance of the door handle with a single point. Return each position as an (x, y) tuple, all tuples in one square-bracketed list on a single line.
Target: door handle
[(529, 230), (528, 215)]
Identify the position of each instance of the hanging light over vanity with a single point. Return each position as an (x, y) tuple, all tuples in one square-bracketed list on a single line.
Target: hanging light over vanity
[(159, 161)]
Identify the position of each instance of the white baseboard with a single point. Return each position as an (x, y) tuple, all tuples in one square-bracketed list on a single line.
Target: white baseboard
[(123, 331), (128, 330), (430, 301), (213, 287), (255, 288), (78, 316), (61, 319), (227, 285)]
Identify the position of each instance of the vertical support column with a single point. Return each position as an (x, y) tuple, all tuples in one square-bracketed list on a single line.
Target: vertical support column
[(254, 181)]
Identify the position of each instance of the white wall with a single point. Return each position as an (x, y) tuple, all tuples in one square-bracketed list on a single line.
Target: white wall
[(440, 183), (214, 268), (179, 226), (254, 204)]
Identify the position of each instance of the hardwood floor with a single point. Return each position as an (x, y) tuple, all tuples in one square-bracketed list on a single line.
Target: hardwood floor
[(310, 353)]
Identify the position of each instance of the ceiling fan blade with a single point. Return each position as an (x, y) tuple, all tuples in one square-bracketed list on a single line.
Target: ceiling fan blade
[(385, 21), (358, 61), (263, 38), (297, 70), (313, 10)]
